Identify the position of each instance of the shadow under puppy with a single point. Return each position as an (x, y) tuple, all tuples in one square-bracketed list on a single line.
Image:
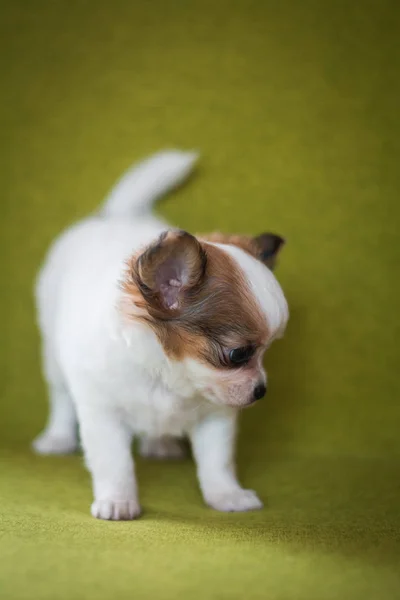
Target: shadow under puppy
[(151, 332)]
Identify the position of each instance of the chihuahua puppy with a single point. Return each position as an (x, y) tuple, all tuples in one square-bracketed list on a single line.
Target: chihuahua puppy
[(152, 332)]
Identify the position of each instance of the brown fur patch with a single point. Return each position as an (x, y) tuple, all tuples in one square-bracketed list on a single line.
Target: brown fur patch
[(264, 247), (177, 256), (217, 311)]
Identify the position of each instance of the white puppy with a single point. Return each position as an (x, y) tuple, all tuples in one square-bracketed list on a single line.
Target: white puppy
[(152, 332)]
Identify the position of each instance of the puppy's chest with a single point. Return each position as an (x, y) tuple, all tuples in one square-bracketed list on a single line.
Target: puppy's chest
[(153, 398), (156, 411)]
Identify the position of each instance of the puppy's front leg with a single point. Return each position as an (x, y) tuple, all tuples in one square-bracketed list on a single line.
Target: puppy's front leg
[(213, 442), (106, 442)]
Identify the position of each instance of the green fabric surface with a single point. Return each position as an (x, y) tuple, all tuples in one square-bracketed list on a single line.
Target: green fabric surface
[(295, 109)]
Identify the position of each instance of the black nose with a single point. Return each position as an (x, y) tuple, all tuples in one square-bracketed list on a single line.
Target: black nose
[(259, 391)]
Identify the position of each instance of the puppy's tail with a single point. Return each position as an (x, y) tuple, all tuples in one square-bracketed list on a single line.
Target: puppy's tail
[(138, 189)]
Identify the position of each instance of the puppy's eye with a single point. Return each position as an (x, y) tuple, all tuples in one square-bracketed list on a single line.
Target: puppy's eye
[(240, 356)]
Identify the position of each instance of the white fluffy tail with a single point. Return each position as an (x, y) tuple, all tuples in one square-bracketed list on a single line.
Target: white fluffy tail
[(138, 189)]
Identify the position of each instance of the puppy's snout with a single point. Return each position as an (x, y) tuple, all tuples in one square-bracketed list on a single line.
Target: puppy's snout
[(259, 391)]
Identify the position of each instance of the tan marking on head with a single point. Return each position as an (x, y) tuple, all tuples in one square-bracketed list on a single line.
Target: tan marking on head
[(264, 247), (213, 310), (244, 242)]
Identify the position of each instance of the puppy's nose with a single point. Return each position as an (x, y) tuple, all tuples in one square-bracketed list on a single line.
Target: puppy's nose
[(259, 391)]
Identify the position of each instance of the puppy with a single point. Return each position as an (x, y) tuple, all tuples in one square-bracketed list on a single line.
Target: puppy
[(151, 332)]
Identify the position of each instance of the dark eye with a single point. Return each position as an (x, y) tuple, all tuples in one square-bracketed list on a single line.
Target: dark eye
[(240, 356)]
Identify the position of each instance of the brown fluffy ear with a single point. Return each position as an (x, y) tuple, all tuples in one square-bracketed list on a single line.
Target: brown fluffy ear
[(169, 268), (264, 247), (268, 246)]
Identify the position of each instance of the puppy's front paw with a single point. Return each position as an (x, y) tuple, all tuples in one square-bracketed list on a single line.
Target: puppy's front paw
[(236, 500), (115, 511)]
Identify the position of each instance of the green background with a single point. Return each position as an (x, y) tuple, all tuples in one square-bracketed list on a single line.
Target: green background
[(294, 107)]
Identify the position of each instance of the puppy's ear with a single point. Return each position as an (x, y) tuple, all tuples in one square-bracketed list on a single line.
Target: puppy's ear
[(267, 247), (168, 269), (264, 247)]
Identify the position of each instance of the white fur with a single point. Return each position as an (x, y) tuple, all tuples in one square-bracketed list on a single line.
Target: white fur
[(113, 377), (141, 185), (265, 287)]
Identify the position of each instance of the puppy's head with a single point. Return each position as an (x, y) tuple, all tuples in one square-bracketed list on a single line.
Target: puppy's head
[(215, 306)]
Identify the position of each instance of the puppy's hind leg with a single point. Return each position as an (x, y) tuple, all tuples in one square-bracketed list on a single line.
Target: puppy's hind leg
[(60, 435), (162, 448)]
